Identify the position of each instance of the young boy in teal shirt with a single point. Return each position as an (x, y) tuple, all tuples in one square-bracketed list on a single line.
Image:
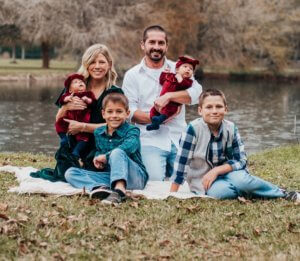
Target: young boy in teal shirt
[(212, 158), (118, 156)]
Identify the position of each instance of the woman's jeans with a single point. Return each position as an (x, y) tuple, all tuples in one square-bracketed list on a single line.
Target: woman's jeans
[(241, 183), (121, 168)]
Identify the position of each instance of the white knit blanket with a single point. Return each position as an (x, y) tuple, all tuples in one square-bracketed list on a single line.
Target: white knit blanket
[(27, 184)]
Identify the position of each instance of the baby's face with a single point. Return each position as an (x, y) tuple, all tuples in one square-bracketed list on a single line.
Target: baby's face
[(185, 70), (77, 85)]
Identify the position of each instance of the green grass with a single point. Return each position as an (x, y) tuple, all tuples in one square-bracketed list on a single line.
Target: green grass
[(34, 67), (75, 228)]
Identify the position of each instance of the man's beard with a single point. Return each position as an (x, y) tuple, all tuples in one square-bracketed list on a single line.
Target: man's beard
[(156, 58)]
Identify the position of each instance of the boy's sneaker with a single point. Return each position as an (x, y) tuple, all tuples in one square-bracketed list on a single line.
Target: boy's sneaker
[(114, 198), (101, 192), (293, 196)]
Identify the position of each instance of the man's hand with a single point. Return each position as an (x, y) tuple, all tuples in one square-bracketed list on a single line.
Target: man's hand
[(209, 178), (161, 102), (100, 161)]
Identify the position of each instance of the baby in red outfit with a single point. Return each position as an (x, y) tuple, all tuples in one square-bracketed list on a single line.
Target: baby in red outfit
[(75, 86), (171, 82)]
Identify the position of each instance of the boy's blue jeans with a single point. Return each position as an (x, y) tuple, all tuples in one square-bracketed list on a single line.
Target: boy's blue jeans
[(241, 183), (121, 168)]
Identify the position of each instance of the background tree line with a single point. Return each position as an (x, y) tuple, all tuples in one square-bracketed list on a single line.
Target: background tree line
[(221, 33)]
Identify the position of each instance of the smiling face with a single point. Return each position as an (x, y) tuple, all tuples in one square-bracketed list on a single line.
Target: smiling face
[(155, 46), (213, 110), (99, 67), (115, 114), (185, 70), (77, 86)]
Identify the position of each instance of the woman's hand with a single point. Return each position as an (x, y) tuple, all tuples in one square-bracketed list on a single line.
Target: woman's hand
[(76, 104), (75, 127), (209, 178)]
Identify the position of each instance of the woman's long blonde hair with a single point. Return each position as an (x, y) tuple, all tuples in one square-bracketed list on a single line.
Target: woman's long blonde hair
[(90, 55)]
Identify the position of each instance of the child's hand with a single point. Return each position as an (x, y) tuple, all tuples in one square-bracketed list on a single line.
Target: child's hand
[(86, 99), (69, 98), (167, 70), (174, 187), (209, 178), (178, 77), (100, 161)]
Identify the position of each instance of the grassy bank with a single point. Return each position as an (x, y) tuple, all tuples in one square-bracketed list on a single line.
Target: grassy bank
[(58, 68), (34, 67), (60, 228)]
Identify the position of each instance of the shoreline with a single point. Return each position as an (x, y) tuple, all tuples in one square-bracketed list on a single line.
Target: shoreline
[(31, 70), (199, 75)]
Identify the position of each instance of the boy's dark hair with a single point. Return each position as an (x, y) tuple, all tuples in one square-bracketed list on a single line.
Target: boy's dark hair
[(154, 28), (115, 98), (211, 92)]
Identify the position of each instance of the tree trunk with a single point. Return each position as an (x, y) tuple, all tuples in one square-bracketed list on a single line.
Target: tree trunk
[(23, 53), (45, 55), (13, 54)]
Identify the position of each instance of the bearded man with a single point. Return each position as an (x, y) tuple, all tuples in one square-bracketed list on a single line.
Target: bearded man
[(142, 88)]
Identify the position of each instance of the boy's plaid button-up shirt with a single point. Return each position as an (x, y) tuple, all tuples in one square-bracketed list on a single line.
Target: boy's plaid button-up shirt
[(216, 155), (126, 137)]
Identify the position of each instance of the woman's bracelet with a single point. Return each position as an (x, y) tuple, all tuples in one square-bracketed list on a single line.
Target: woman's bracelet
[(83, 128)]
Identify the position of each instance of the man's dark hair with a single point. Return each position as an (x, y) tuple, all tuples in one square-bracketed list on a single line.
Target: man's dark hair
[(115, 98), (154, 28), (211, 92)]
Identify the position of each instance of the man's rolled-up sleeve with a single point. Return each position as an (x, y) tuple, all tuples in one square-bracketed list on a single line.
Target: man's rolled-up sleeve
[(130, 88), (194, 92)]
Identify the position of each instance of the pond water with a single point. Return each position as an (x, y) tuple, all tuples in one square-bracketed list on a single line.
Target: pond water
[(267, 114)]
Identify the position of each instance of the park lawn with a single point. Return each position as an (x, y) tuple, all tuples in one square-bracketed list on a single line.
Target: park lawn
[(59, 228), (34, 67)]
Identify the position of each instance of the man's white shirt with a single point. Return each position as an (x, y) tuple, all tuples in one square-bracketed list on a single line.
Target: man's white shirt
[(142, 88)]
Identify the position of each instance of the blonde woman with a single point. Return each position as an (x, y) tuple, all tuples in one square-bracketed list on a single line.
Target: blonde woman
[(98, 69)]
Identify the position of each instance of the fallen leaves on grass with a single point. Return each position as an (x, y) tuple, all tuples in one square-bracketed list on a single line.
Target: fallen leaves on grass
[(23, 249), (134, 196), (3, 207), (164, 243), (291, 228), (243, 200), (3, 216), (193, 209)]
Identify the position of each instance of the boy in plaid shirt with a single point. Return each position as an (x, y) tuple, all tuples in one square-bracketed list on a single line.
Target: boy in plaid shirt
[(212, 158), (118, 156)]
